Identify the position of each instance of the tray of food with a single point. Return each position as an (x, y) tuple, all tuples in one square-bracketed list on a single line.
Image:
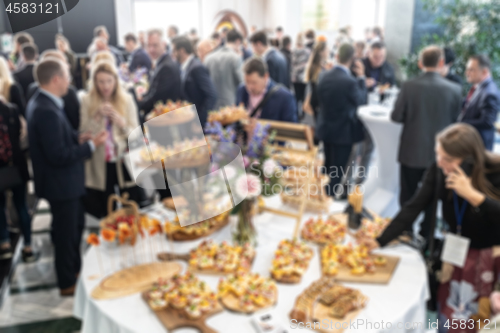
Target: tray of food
[(291, 260), (228, 114), (324, 231), (197, 230)]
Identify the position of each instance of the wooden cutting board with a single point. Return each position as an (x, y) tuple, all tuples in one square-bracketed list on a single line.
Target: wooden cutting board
[(134, 279), (173, 318), (382, 275), (329, 324), (232, 303)]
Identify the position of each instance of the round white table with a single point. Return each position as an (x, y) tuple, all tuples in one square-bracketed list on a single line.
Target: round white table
[(402, 300), (382, 183)]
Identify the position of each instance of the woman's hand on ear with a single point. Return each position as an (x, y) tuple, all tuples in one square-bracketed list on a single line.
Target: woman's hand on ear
[(459, 182)]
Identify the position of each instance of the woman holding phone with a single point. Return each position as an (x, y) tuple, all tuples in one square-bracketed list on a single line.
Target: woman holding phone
[(466, 179)]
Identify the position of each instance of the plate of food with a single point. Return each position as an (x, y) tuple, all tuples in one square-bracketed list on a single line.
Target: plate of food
[(228, 115), (323, 231), (175, 231), (161, 108), (216, 258), (247, 292), (291, 260), (182, 301)]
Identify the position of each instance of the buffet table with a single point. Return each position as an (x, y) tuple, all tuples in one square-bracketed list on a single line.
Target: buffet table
[(382, 186), (401, 301)]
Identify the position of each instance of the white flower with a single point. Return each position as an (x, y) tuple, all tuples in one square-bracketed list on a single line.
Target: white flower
[(248, 186), (269, 167)]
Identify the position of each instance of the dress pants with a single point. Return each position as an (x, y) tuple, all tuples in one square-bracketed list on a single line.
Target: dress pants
[(336, 160), (68, 220), (410, 179)]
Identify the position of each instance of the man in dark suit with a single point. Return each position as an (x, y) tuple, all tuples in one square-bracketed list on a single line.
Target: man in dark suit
[(448, 72), (340, 94), (165, 80), (377, 70), (425, 105), (196, 85), (24, 75), (57, 154), (276, 62), (71, 101), (261, 94), (482, 103), (138, 56)]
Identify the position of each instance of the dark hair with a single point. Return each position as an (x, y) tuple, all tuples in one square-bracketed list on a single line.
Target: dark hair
[(155, 31), (259, 36), (255, 65), (99, 29), (192, 31), (482, 60), (46, 69), (183, 43), (280, 29), (274, 42), (346, 53), (29, 51), (23, 38), (130, 37), (286, 41), (377, 45), (378, 32), (233, 35), (431, 55), (310, 34), (174, 28), (215, 35), (360, 43), (449, 55)]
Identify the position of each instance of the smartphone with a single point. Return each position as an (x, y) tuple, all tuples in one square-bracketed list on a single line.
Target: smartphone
[(467, 166)]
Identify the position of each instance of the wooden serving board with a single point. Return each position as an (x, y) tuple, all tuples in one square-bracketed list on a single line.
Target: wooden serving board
[(173, 318), (167, 256), (181, 236), (230, 302), (382, 275), (321, 313), (134, 279)]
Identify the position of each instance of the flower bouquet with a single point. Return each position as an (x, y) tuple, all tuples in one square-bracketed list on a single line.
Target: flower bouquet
[(138, 80)]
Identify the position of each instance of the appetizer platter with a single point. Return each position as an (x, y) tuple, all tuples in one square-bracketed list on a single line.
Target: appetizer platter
[(175, 118), (372, 229), (350, 263), (182, 301), (187, 153), (247, 293), (328, 302), (321, 231), (291, 260), (195, 231), (228, 114), (212, 258)]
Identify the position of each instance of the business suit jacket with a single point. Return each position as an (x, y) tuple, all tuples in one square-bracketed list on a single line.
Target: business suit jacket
[(24, 77), (387, 74), (339, 95), (281, 105), (55, 152), (164, 84), (198, 88), (71, 104), (481, 111), (276, 64), (425, 105), (17, 98), (139, 58), (224, 67)]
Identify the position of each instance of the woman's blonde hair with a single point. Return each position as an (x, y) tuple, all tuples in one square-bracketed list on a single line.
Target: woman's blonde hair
[(103, 55), (119, 96), (463, 141), (6, 80), (313, 67)]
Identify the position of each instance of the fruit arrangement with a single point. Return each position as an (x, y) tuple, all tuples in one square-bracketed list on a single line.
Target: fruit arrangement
[(228, 114), (324, 230), (356, 258), (291, 260), (182, 292), (123, 226), (246, 292), (210, 256)]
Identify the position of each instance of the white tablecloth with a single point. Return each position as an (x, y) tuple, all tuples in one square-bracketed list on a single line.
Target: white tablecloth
[(401, 301)]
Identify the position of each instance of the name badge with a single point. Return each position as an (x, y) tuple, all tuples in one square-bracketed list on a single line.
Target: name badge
[(455, 249)]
